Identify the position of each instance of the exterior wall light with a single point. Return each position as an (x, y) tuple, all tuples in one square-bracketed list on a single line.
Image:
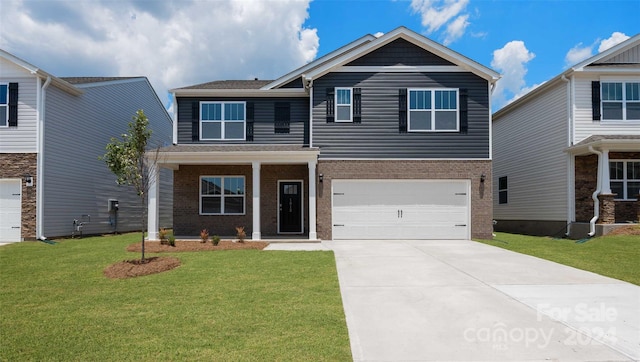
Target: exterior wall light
[(483, 177), (320, 177), (28, 180)]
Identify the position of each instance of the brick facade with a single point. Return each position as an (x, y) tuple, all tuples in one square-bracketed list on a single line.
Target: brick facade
[(187, 220), (15, 166), (481, 195)]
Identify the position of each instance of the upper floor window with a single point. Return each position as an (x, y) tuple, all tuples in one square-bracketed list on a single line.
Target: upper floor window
[(620, 101), (222, 195), (222, 120), (344, 109), (4, 104), (625, 178), (433, 110)]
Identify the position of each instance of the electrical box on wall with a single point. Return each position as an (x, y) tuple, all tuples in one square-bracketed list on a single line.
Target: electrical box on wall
[(113, 205)]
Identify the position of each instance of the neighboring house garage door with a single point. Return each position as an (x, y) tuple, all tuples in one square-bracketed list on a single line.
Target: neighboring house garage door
[(401, 209), (10, 210)]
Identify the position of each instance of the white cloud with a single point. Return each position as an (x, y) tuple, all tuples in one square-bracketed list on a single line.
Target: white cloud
[(436, 14), (511, 61), (172, 43), (577, 54), (615, 39)]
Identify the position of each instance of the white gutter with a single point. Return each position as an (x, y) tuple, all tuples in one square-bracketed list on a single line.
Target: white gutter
[(569, 163), (40, 163), (594, 196)]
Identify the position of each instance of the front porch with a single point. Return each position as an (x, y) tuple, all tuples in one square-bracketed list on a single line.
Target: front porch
[(268, 190)]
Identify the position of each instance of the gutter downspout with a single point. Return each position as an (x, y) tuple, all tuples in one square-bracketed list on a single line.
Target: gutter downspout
[(569, 163), (594, 196), (40, 164)]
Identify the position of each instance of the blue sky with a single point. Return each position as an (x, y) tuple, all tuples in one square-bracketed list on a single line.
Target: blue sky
[(176, 43)]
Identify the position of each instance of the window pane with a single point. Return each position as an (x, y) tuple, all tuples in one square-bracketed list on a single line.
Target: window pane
[(3, 94), (3, 115), (633, 170), (502, 197), (343, 113), (446, 100), (344, 96), (419, 121), (211, 111), (633, 111), (616, 170), (420, 99), (211, 185), (234, 185), (234, 111), (502, 183), (446, 120), (233, 130), (211, 205), (633, 91), (611, 110), (617, 188), (211, 130), (611, 91), (633, 189), (233, 205)]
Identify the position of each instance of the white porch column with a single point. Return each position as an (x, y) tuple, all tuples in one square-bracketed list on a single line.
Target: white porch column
[(256, 235), (606, 177), (153, 206), (313, 235)]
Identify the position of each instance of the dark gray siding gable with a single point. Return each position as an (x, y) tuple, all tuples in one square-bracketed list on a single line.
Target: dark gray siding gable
[(399, 52), (378, 135), (263, 126)]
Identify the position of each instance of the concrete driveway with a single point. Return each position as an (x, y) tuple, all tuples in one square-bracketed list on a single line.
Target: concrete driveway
[(459, 300)]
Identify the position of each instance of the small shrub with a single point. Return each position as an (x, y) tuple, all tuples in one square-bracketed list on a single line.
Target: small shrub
[(241, 235), (204, 235), (172, 240), (162, 234), (215, 240)]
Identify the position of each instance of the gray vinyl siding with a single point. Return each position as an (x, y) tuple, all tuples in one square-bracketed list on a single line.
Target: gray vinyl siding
[(630, 56), (399, 52), (76, 182), (22, 139), (263, 121), (378, 135), (528, 148)]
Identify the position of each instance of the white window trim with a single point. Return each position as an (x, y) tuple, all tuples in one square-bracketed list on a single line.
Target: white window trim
[(433, 110), (336, 105), (6, 106), (624, 180), (622, 80), (222, 196), (223, 121)]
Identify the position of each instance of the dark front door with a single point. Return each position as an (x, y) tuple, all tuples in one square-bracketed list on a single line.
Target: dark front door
[(290, 214)]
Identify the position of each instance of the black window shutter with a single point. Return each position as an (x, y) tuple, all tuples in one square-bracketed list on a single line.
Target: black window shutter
[(595, 100), (357, 106), (282, 117), (464, 121), (330, 105), (250, 121), (402, 110), (195, 121), (13, 105)]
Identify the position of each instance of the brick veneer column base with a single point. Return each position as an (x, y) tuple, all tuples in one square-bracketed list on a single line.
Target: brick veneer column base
[(16, 166), (607, 209)]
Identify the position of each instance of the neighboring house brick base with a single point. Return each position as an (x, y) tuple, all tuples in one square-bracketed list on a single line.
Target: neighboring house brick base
[(481, 195), (16, 166)]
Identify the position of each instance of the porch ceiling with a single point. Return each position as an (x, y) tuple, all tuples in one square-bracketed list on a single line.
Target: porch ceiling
[(174, 156), (615, 143)]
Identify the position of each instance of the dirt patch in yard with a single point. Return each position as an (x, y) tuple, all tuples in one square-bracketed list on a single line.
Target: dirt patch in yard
[(156, 247)]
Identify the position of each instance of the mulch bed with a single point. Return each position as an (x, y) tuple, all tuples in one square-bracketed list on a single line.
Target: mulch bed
[(626, 230), (152, 265)]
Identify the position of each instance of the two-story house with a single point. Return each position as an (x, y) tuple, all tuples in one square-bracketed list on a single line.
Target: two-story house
[(384, 138), (566, 156), (52, 131)]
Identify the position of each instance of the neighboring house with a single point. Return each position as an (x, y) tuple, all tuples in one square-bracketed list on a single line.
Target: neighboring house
[(52, 131), (384, 138), (573, 137)]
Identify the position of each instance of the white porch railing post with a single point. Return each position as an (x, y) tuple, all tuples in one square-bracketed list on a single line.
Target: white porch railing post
[(153, 207), (313, 235)]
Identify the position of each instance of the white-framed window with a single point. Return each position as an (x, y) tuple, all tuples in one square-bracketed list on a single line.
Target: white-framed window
[(620, 100), (4, 105), (344, 105), (433, 110), (222, 195), (625, 178), (222, 120)]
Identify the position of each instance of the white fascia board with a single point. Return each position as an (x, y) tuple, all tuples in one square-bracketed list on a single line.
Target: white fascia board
[(604, 70), (619, 48), (282, 92), (621, 145), (236, 157), (316, 63), (415, 39)]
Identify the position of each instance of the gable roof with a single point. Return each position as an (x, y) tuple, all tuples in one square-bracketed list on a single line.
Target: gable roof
[(583, 66), (230, 84), (88, 80), (58, 82)]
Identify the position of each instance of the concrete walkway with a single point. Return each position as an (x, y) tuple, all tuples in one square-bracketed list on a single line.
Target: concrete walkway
[(459, 300)]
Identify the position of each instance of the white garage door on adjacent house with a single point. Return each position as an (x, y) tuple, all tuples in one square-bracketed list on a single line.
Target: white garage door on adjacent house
[(401, 209), (10, 210)]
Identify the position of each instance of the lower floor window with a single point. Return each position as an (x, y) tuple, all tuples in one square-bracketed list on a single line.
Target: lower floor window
[(502, 190), (625, 178), (222, 195)]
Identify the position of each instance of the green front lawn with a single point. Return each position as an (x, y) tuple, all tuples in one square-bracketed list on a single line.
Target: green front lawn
[(55, 304), (616, 256)]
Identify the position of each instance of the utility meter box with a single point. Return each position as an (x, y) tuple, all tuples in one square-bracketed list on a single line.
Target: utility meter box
[(113, 205)]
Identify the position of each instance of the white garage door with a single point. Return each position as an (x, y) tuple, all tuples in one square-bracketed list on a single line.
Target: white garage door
[(401, 209), (10, 210)]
